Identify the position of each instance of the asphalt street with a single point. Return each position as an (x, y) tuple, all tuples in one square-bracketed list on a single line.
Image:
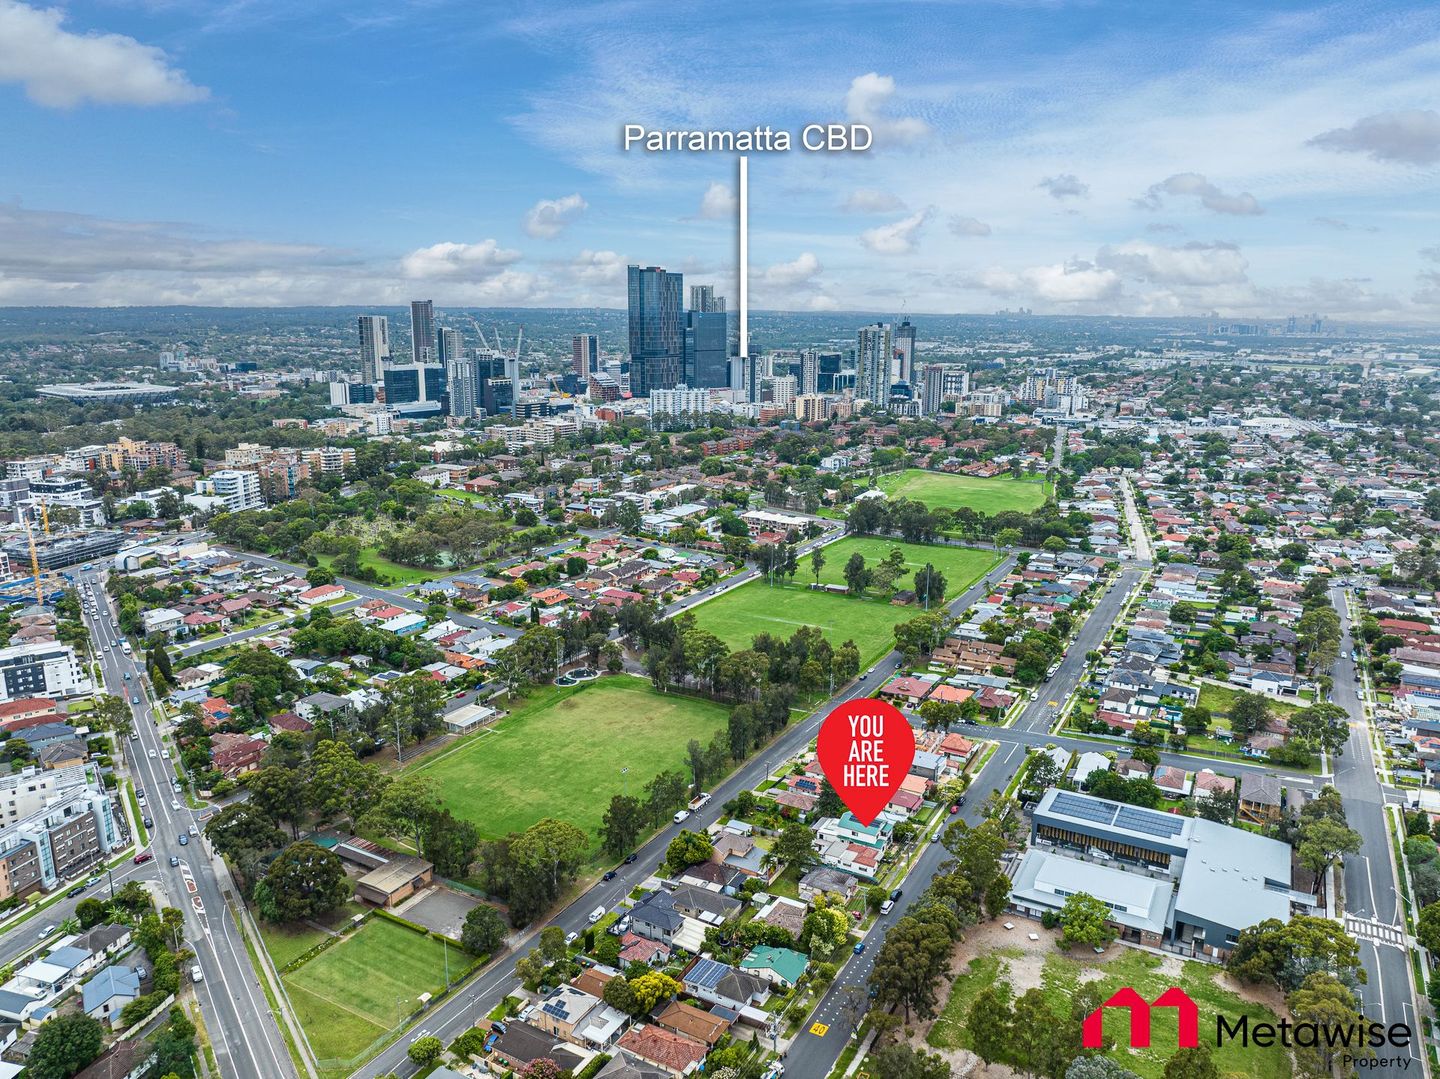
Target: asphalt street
[(246, 1040)]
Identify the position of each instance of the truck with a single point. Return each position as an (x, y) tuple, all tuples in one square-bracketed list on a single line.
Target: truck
[(700, 801)]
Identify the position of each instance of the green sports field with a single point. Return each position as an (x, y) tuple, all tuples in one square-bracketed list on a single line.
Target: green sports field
[(356, 992), (941, 490), (565, 751), (736, 616)]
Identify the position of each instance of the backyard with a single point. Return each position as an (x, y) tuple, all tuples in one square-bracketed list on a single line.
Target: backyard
[(943, 490), (736, 616), (358, 991), (564, 752)]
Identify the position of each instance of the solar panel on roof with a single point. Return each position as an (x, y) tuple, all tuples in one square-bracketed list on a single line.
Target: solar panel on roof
[(1091, 809), (1149, 822), (706, 971)]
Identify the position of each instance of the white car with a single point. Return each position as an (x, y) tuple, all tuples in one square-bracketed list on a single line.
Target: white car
[(152, 753), (174, 805)]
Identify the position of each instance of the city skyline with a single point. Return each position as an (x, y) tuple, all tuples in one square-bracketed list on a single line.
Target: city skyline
[(1065, 160)]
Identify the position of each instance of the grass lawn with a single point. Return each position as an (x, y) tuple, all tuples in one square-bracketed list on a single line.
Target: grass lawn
[(736, 616), (1139, 970), (286, 942), (391, 573), (565, 751), (354, 993), (941, 490), (1220, 700)]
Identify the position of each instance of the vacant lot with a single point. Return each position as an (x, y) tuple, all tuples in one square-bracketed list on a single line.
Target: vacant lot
[(1220, 700), (991, 954), (357, 991), (941, 490), (565, 751), (737, 616)]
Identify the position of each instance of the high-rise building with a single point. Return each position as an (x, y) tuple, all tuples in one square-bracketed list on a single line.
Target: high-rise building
[(681, 402), (904, 368), (422, 331), (704, 300), (957, 381), (451, 343), (464, 384), (810, 407), (809, 371), (585, 355), (782, 391), (750, 376), (374, 347), (872, 364), (239, 488), (933, 377), (705, 364), (408, 383), (657, 340)]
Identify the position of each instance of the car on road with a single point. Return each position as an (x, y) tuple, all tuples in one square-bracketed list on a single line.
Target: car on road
[(79, 889), (887, 906), (571, 937), (859, 946), (135, 700), (148, 822), (196, 974), (609, 875), (46, 931), (194, 831), (935, 836), (630, 858), (682, 816), (175, 805), (597, 914), (142, 858), (152, 754), (896, 894), (174, 861), (127, 676), (184, 839)]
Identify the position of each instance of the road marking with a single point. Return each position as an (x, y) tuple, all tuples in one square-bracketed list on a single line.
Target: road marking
[(819, 1029), (1375, 932)]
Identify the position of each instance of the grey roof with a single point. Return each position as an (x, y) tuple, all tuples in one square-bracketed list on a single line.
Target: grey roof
[(102, 937), (1261, 789), (623, 1065), (825, 879), (689, 897), (113, 981), (1233, 877), (657, 909), (1046, 878)]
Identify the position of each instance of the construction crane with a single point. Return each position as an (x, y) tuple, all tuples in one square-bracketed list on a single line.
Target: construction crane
[(34, 561), (45, 517), (483, 343)]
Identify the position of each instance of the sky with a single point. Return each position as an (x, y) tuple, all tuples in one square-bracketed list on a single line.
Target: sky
[(1088, 157)]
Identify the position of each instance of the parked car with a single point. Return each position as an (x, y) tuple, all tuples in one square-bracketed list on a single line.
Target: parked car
[(597, 914), (609, 875), (887, 906), (142, 858)]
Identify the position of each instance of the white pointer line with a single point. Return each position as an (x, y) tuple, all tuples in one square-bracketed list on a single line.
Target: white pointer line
[(744, 186)]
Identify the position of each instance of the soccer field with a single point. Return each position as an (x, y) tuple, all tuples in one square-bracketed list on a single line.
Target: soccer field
[(941, 490), (565, 751), (736, 616), (358, 990)]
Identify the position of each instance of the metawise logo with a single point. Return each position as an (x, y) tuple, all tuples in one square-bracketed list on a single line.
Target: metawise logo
[(1139, 1008), (1351, 1044)]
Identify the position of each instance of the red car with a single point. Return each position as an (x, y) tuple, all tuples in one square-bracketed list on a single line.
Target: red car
[(144, 857)]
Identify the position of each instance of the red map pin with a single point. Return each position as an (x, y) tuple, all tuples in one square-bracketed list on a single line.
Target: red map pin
[(865, 748)]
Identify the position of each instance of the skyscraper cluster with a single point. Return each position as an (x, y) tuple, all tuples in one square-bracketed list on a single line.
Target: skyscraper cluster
[(668, 345)]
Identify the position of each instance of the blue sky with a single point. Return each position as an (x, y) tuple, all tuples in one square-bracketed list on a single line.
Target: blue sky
[(1091, 157)]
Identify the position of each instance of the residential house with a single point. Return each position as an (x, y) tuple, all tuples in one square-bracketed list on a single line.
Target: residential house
[(823, 880), (692, 1022), (719, 983), (105, 995), (778, 966), (675, 1053)]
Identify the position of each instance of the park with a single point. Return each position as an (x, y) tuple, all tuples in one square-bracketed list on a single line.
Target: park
[(944, 490)]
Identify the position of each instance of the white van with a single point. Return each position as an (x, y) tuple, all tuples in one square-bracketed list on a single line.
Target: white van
[(682, 816), (597, 914)]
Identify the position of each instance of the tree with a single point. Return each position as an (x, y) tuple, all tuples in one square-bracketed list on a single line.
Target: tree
[(425, 1050), (622, 824), (826, 932), (244, 836), (484, 930), (929, 585), (1191, 1063), (900, 1061), (1329, 1005), (1324, 842), (450, 843), (857, 577), (306, 881), (651, 988), (990, 1021), (793, 847), (320, 575), (1097, 1067), (90, 912), (1008, 537), (1286, 953), (414, 707), (621, 997), (339, 784), (174, 1045), (64, 1045), (1249, 713), (664, 794), (546, 856), (687, 849), (543, 1068), (406, 808), (817, 563), (1085, 920), (278, 793)]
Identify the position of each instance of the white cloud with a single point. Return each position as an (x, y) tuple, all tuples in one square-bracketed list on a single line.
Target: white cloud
[(718, 203), (458, 261), (1065, 186), (865, 103), (1188, 264), (62, 69), (548, 217), (1071, 282), (870, 200), (897, 238), (597, 268), (1408, 136), (1210, 196), (786, 275), (961, 225)]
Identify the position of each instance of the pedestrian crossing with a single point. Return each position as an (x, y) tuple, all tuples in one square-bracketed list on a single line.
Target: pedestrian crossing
[(1375, 932)]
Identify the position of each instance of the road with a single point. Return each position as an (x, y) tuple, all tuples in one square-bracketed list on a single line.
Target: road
[(247, 1042), (1140, 545), (451, 1017), (1371, 902)]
